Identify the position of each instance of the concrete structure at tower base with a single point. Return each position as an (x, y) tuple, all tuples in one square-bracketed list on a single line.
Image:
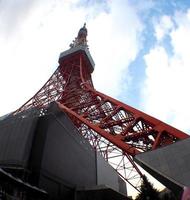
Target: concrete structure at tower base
[(170, 165), (42, 152)]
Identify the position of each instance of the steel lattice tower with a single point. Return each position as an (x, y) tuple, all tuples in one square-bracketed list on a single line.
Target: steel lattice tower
[(115, 129)]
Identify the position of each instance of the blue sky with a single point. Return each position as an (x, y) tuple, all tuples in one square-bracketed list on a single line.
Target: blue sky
[(140, 48), (150, 17)]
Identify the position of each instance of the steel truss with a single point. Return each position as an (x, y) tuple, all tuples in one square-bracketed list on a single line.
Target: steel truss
[(117, 131)]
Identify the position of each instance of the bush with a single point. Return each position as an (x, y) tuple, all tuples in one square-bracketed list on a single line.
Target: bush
[(147, 191)]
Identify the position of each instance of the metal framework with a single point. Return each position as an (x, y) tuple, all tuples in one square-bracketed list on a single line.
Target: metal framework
[(114, 129)]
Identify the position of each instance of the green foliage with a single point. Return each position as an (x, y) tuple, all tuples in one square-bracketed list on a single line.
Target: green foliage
[(148, 192)]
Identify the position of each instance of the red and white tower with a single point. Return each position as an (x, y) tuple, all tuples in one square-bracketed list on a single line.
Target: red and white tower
[(118, 131)]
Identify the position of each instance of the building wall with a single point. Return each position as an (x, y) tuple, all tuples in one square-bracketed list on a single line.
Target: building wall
[(59, 159), (16, 135), (68, 160), (170, 164), (66, 154), (106, 175)]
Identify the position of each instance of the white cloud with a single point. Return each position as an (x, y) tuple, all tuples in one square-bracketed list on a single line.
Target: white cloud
[(163, 27), (166, 91), (30, 52), (118, 43), (33, 35)]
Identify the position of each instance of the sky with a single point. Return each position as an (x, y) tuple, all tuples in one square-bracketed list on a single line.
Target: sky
[(140, 48)]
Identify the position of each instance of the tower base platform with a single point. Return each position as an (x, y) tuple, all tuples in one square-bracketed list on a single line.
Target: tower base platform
[(43, 151), (170, 165)]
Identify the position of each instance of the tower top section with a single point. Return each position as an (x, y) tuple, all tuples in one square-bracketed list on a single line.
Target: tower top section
[(79, 46), (80, 40)]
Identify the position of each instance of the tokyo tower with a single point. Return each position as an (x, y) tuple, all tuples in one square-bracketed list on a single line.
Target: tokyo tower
[(116, 130)]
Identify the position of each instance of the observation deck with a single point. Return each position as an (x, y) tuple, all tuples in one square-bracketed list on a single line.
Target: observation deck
[(76, 50), (79, 45)]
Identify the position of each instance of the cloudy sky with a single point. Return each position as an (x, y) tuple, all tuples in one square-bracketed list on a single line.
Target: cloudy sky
[(141, 50)]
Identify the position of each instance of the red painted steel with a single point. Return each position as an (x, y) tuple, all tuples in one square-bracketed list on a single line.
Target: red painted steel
[(116, 130)]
